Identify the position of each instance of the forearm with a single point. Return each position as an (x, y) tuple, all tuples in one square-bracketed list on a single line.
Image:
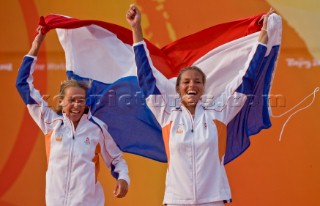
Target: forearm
[(137, 33), (121, 168), (134, 19), (36, 44), (263, 38), (34, 49)]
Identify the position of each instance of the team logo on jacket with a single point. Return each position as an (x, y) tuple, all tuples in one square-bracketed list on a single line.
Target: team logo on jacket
[(58, 137), (180, 129), (87, 141)]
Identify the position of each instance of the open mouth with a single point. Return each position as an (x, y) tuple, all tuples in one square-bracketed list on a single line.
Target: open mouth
[(75, 112), (191, 92)]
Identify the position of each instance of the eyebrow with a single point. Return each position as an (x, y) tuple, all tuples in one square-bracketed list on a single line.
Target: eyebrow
[(77, 96), (190, 79)]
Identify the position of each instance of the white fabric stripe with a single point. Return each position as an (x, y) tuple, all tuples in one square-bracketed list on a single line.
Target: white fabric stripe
[(275, 29), (96, 53), (230, 61), (165, 86), (34, 93), (226, 65)]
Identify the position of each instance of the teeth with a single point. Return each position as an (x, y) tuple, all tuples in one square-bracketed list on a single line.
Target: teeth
[(192, 92)]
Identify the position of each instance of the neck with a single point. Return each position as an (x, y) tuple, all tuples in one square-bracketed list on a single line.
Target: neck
[(75, 124), (191, 109)]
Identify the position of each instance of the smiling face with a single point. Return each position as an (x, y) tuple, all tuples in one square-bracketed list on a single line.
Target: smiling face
[(73, 103), (190, 86)]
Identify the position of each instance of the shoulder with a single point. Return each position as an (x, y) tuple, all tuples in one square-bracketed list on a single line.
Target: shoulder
[(98, 122)]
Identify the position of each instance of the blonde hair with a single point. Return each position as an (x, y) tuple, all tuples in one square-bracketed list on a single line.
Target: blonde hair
[(67, 84)]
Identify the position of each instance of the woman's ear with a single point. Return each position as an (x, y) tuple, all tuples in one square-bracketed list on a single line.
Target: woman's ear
[(177, 90), (60, 102)]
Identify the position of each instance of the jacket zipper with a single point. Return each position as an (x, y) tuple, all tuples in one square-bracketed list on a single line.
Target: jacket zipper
[(69, 166), (193, 157), (191, 118)]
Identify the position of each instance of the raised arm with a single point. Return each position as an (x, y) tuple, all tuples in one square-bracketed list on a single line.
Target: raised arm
[(146, 79), (263, 38), (152, 83), (133, 17), (24, 82), (255, 67), (36, 43), (39, 110)]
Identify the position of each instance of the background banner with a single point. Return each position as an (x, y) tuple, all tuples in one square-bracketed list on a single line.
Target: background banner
[(270, 172)]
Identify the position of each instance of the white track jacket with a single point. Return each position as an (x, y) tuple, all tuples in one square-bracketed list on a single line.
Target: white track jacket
[(73, 162), (195, 146)]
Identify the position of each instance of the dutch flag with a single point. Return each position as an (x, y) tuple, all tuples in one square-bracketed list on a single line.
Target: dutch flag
[(102, 53)]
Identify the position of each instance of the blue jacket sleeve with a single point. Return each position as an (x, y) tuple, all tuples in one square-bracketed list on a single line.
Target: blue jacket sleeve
[(146, 79)]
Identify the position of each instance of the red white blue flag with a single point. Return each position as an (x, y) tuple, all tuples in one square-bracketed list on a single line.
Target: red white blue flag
[(102, 53)]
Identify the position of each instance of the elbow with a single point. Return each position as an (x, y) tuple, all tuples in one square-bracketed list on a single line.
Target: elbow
[(19, 85)]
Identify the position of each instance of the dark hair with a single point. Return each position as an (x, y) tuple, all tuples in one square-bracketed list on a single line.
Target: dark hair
[(191, 68), (67, 84)]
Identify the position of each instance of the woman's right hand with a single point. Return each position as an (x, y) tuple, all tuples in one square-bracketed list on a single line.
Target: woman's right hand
[(37, 42), (40, 37), (133, 16)]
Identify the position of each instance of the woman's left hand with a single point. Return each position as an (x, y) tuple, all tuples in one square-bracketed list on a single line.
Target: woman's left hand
[(265, 19), (263, 38), (121, 188)]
